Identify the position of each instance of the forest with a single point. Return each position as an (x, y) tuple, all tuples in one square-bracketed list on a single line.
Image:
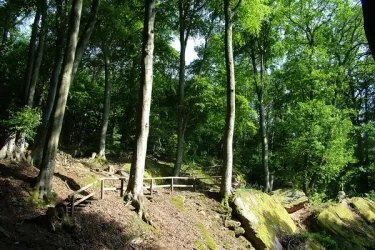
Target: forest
[(273, 93)]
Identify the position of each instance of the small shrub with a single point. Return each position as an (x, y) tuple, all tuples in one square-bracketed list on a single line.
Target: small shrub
[(371, 195), (323, 239), (25, 120)]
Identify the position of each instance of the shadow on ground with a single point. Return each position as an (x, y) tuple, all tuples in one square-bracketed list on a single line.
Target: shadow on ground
[(19, 229)]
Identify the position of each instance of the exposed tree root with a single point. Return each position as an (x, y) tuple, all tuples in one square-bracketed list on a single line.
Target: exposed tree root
[(137, 202), (14, 149)]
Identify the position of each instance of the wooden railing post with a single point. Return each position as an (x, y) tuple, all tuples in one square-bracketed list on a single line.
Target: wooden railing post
[(172, 185), (122, 188), (151, 186), (72, 206), (102, 189), (195, 184)]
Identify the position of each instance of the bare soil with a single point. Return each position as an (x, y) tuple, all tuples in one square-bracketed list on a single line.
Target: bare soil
[(107, 224)]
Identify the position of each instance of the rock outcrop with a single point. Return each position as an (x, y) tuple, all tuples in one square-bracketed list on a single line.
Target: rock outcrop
[(364, 207), (350, 223), (263, 218), (292, 200)]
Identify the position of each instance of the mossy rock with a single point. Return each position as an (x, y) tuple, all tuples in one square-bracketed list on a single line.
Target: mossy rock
[(263, 218), (365, 208), (292, 200), (349, 229)]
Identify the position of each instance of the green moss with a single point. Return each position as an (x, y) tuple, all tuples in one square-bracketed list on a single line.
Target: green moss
[(224, 204), (200, 245), (97, 162), (158, 168), (90, 178), (126, 167), (210, 242), (365, 207), (289, 197), (227, 245), (39, 203), (263, 214), (178, 202), (344, 224)]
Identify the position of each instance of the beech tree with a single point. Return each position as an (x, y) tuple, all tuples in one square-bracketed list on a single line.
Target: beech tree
[(188, 14), (134, 191), (44, 180), (107, 101), (226, 181), (82, 43)]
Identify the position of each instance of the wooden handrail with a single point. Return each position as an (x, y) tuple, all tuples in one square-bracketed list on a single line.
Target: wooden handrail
[(82, 189), (152, 186)]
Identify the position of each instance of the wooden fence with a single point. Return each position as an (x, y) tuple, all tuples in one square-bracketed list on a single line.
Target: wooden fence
[(74, 202)]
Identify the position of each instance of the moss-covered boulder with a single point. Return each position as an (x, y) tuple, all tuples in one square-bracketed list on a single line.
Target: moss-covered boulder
[(365, 208), (347, 227), (263, 218), (292, 200)]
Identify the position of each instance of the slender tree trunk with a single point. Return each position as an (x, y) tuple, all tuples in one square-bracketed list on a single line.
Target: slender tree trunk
[(262, 116), (181, 91), (30, 57), (263, 126), (40, 138), (44, 181), (134, 191), (39, 54), (107, 103), (226, 181), (85, 37), (263, 131)]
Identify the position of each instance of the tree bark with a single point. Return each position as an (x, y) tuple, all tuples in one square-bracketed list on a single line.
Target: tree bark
[(44, 180), (85, 37), (181, 90), (262, 117), (107, 102), (226, 181), (31, 53), (368, 8), (134, 191), (40, 138), (263, 131), (39, 54)]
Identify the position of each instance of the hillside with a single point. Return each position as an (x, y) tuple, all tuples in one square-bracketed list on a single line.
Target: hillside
[(184, 220)]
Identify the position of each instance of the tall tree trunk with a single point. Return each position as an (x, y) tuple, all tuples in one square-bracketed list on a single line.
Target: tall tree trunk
[(44, 181), (107, 102), (262, 124), (368, 7), (40, 138), (181, 91), (39, 54), (226, 181), (263, 131), (259, 82), (30, 57), (134, 191), (85, 37)]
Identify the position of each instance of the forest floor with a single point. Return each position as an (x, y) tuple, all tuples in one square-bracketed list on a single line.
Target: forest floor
[(183, 220)]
